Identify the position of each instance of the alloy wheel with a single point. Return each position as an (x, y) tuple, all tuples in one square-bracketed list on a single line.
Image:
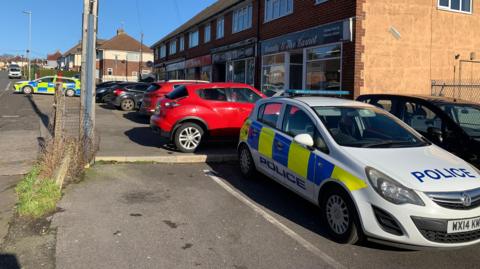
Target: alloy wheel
[(337, 214), (190, 138)]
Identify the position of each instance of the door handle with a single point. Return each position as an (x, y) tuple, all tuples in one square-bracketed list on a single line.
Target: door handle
[(279, 145)]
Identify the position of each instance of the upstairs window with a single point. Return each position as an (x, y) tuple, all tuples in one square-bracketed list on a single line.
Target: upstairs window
[(163, 51), (275, 9), (242, 19), (173, 47), (220, 27), (207, 35), (456, 5), (193, 39), (182, 43)]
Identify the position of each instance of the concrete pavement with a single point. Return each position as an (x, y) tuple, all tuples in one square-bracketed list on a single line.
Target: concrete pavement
[(179, 216), (20, 123)]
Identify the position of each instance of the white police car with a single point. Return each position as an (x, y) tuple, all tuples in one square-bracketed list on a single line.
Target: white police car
[(372, 175)]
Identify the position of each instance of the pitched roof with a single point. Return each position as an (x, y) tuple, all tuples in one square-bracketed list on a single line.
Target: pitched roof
[(208, 12), (123, 41), (77, 49), (54, 57)]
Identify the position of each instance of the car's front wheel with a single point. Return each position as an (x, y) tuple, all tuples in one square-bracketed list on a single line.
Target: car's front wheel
[(27, 90), (127, 105), (247, 165), (340, 216), (188, 137), (70, 92)]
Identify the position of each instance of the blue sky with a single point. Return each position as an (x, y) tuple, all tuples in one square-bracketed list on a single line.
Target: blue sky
[(56, 24)]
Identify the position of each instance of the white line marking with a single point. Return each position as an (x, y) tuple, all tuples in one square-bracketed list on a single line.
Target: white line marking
[(6, 89), (309, 246)]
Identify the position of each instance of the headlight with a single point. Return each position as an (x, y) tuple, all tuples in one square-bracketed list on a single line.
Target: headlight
[(391, 190)]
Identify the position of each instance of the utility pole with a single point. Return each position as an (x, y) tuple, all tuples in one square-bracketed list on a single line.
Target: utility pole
[(29, 13), (87, 100), (140, 63)]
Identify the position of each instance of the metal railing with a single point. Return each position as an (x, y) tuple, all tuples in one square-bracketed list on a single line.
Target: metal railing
[(465, 90)]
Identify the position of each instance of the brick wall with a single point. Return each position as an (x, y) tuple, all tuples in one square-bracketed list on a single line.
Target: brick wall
[(121, 68)]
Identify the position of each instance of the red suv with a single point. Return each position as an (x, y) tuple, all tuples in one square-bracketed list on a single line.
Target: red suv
[(190, 112), (158, 90)]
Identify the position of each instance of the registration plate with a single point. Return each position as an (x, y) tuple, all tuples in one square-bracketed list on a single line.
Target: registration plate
[(463, 225)]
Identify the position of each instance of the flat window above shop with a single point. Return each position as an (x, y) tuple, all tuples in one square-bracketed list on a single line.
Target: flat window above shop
[(193, 39), (242, 18), (464, 6), (275, 9), (182, 43), (220, 27)]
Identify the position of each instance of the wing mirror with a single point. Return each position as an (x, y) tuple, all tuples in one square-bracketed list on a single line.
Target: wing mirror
[(304, 140)]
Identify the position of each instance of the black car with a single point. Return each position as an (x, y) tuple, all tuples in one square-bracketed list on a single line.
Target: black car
[(450, 123), (129, 97), (105, 94)]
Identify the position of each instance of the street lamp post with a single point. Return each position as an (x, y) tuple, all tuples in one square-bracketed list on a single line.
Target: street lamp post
[(29, 13)]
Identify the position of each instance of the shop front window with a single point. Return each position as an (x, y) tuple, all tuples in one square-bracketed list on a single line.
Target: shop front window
[(273, 74), (324, 68), (241, 71), (205, 73), (296, 70)]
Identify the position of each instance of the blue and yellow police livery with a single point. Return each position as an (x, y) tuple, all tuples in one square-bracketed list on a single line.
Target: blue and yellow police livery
[(371, 175), (46, 85)]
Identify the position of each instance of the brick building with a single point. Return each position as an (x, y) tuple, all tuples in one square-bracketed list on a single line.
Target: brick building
[(120, 58), (354, 45)]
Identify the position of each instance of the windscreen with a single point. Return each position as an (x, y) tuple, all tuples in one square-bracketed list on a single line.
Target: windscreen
[(366, 127), (153, 87)]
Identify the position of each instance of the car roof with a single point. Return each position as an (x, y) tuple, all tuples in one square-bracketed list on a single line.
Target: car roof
[(326, 101), (428, 98), (219, 85)]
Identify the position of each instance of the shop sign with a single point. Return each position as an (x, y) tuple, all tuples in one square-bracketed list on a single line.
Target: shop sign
[(330, 33), (199, 61), (234, 54), (176, 66)]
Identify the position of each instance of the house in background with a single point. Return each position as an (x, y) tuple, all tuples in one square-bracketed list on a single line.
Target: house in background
[(122, 58), (53, 60), (117, 58)]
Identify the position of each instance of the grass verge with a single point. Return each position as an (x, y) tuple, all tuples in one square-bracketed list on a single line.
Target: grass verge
[(37, 196)]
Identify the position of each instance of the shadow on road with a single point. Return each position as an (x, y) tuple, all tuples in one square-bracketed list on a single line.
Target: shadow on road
[(137, 118), (9, 261), (281, 201), (43, 117)]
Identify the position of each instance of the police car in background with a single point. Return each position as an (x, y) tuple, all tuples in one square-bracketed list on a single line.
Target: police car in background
[(372, 175)]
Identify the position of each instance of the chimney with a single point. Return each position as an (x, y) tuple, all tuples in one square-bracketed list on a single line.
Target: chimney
[(120, 31)]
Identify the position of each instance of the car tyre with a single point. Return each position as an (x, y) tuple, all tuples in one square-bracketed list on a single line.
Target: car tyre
[(127, 104), (247, 165), (188, 137), (27, 90), (340, 217), (70, 92)]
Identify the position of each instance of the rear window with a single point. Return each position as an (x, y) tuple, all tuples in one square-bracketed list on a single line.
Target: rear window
[(269, 113), (153, 87), (178, 92)]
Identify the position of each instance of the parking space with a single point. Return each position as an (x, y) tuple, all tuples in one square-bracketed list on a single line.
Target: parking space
[(208, 216), (127, 136)]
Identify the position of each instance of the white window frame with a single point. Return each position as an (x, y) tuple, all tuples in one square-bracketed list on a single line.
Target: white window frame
[(220, 27), (455, 10), (182, 43), (190, 39), (207, 32), (242, 18), (172, 47), (271, 3), (163, 51)]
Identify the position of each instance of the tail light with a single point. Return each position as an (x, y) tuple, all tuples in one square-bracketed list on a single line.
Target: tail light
[(117, 92), (171, 104)]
